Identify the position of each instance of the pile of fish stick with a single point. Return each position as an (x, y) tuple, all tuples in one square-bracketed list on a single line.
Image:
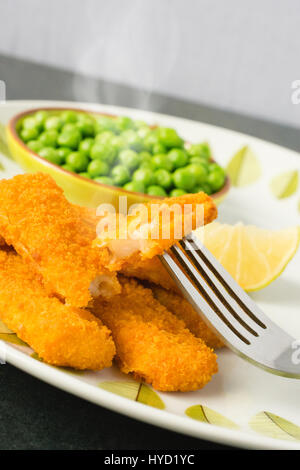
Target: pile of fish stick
[(85, 299)]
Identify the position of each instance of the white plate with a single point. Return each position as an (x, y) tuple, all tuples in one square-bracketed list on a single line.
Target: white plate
[(239, 391)]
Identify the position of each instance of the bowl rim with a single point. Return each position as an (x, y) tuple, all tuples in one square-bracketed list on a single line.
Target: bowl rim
[(11, 126)]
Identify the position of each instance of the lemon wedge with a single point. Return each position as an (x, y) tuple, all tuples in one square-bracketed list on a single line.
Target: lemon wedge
[(253, 256)]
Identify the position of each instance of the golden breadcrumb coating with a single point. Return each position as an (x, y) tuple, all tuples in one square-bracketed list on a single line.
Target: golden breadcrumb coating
[(61, 335), (53, 236), (152, 343), (180, 307), (153, 228), (151, 270)]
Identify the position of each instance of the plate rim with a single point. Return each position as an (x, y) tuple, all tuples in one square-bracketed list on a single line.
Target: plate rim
[(145, 413)]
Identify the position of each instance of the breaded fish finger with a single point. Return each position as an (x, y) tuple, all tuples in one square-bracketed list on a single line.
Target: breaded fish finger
[(152, 343), (154, 228), (180, 307), (61, 335), (151, 270), (54, 237)]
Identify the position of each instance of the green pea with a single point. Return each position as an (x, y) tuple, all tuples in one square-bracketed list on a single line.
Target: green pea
[(145, 156), (163, 178), (85, 146), (205, 187), (143, 132), (68, 116), (144, 175), (196, 189), (199, 171), (200, 150), (69, 127), (177, 192), (69, 138), (148, 164), (129, 158), (205, 150), (215, 167), (158, 148), (50, 154), (53, 122), (49, 138), (146, 160), (124, 122), (184, 179), (34, 145), (178, 157), (84, 174), (67, 167), (29, 134), (30, 123), (120, 175), (132, 140), (118, 143), (169, 137), (77, 161), (104, 137), (104, 180), (86, 126), (156, 191), (103, 152), (150, 140), (40, 117), (63, 152), (97, 168), (216, 179), (135, 186), (200, 161), (162, 161), (105, 123)]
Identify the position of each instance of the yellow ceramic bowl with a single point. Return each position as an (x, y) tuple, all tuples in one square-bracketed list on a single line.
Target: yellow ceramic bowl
[(78, 189)]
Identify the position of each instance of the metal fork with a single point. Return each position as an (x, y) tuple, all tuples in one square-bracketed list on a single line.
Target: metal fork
[(229, 311)]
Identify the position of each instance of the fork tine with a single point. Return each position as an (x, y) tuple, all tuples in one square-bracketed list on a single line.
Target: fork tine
[(218, 322), (235, 291), (227, 296), (241, 329)]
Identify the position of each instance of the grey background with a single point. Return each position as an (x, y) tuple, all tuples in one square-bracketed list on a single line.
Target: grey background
[(236, 55)]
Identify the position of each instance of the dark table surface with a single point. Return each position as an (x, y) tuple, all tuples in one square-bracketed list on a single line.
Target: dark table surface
[(35, 415)]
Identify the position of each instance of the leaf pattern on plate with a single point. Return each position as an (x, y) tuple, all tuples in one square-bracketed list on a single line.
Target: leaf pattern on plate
[(285, 184), (4, 329), (244, 168), (35, 356), (207, 415), (9, 336), (271, 425), (12, 338), (136, 391), (3, 144)]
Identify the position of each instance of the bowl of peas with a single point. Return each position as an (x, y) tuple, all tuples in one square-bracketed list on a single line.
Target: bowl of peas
[(96, 158)]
